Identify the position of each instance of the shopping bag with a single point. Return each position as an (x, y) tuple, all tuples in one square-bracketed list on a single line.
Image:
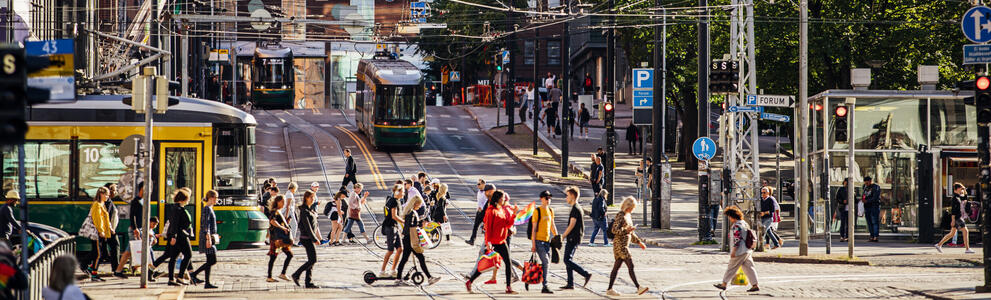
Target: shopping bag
[(860, 209), (135, 246), (533, 272), (488, 261), (446, 228), (740, 278), (425, 241)]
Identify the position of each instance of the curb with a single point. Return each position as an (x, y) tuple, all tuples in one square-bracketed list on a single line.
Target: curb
[(810, 260)]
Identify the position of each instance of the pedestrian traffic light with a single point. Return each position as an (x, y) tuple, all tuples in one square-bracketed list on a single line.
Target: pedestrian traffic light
[(610, 114), (724, 77), (840, 126), (13, 92)]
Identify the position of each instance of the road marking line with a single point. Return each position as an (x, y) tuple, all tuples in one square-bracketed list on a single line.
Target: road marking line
[(473, 129), (445, 116), (372, 165), (326, 125), (452, 128), (432, 128), (465, 117), (271, 125)]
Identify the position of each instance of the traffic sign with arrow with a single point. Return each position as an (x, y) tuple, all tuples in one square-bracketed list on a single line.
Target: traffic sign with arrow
[(771, 100)]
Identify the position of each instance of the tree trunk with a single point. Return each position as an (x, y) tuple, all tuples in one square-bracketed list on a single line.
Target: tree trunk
[(689, 130)]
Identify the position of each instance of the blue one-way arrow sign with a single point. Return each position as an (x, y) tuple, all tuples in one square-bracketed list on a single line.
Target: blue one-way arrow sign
[(775, 117)]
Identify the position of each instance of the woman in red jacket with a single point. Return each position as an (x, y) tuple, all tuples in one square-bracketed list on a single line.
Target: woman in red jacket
[(498, 226)]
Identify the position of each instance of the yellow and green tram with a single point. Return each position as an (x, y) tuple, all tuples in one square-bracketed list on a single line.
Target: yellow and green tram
[(74, 148), (273, 79), (389, 107)]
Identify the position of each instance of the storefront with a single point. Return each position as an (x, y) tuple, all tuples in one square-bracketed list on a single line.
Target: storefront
[(914, 144)]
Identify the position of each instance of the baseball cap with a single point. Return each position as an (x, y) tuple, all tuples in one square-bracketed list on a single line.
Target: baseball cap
[(12, 194), (314, 184), (435, 181), (489, 187), (545, 194)]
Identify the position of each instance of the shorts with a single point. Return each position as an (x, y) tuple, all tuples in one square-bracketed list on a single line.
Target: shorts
[(392, 240), (334, 216), (959, 223)]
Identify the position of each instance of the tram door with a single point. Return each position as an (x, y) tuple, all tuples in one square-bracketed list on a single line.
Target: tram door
[(180, 165)]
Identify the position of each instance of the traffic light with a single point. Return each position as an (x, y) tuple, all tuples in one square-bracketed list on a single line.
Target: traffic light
[(982, 97), (13, 92), (498, 62), (610, 115), (841, 123), (724, 77)]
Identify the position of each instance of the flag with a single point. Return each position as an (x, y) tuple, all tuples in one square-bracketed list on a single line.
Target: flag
[(523, 216)]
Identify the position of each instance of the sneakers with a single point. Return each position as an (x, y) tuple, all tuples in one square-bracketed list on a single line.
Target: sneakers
[(969, 251), (284, 277), (311, 286), (754, 288), (468, 286), (721, 286), (938, 248), (510, 291), (567, 287), (209, 286), (491, 281), (120, 275), (586, 280), (591, 244), (470, 243), (642, 290), (612, 293), (433, 280), (270, 279), (545, 290)]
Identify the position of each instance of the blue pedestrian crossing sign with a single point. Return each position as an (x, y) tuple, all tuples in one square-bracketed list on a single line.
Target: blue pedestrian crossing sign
[(455, 76), (976, 24), (704, 148)]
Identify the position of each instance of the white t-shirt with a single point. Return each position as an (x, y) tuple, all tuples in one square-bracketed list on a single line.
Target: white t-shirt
[(529, 94), (482, 200), (72, 292), (549, 82)]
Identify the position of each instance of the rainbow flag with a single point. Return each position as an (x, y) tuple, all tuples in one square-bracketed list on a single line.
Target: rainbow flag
[(524, 215)]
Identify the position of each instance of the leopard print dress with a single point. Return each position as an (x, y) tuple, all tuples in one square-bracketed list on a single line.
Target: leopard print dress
[(622, 237)]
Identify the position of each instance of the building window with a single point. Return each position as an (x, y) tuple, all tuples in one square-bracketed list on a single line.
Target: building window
[(528, 50), (553, 53)]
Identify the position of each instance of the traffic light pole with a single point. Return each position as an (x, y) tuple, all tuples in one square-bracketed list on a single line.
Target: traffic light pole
[(566, 102), (610, 160), (982, 98), (511, 100), (703, 121), (149, 195)]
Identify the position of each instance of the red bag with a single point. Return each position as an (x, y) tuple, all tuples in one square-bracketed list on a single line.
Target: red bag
[(489, 260), (533, 272)]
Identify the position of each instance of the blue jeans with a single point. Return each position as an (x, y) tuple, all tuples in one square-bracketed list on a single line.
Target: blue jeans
[(569, 263), (873, 214), (769, 233), (599, 225), (543, 252), (713, 212), (350, 222)]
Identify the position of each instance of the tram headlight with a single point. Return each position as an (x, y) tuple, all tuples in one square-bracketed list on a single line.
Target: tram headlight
[(283, 86)]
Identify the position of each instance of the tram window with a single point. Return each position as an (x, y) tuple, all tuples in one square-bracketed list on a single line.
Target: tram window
[(46, 169), (229, 154), (272, 70), (100, 163)]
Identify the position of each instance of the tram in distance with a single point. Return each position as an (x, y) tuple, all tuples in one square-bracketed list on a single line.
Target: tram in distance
[(72, 149), (272, 78), (390, 108)]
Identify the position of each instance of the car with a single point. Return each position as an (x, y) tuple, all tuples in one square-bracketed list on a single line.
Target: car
[(47, 235)]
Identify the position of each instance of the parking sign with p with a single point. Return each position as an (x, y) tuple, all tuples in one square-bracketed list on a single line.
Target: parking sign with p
[(643, 78)]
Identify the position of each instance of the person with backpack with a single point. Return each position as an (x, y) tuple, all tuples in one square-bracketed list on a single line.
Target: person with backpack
[(622, 229), (741, 250), (587, 85), (583, 117), (957, 211), (390, 229), (573, 237), (356, 200), (542, 229), (333, 211), (599, 218)]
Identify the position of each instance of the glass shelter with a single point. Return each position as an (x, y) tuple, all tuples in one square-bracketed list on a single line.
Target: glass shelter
[(914, 144)]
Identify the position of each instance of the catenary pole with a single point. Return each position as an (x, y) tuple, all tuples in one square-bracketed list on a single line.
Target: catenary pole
[(802, 112)]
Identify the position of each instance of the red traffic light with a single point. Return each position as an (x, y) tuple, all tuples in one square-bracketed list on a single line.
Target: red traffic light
[(982, 83), (841, 111), (608, 106)]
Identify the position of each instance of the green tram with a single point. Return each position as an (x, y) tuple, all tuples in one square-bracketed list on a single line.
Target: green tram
[(273, 78), (74, 148), (389, 105)]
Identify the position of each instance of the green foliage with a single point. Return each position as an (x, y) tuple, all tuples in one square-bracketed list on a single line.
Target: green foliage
[(454, 46)]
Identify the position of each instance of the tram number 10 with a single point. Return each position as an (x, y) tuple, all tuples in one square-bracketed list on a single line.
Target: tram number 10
[(92, 155)]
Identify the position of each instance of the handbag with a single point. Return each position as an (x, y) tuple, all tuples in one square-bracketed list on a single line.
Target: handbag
[(860, 209), (489, 260), (88, 229), (446, 228), (416, 244), (533, 272)]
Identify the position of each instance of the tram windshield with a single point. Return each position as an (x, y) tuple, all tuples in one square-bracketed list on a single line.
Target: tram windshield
[(273, 72), (399, 103)]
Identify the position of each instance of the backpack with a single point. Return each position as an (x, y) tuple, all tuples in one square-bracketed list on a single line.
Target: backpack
[(557, 128), (327, 207), (750, 241), (529, 225), (971, 210)]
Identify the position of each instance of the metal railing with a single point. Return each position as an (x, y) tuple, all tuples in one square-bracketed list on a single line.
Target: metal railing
[(41, 266)]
